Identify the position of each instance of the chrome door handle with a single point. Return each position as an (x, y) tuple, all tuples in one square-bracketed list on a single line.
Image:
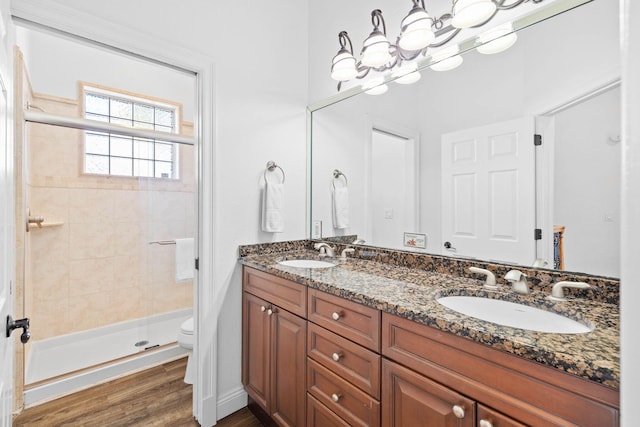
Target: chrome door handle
[(16, 324)]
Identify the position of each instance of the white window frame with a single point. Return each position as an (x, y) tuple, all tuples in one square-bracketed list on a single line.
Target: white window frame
[(136, 99)]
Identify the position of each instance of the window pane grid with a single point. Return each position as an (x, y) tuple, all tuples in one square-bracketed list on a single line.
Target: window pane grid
[(112, 154)]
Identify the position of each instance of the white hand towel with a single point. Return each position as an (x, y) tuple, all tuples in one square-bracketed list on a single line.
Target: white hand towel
[(272, 207), (340, 207), (184, 259)]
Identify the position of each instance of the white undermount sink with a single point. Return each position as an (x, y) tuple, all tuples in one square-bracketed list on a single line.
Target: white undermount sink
[(306, 263), (514, 315)]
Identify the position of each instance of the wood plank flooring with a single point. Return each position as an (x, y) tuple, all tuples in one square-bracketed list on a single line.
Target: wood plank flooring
[(154, 397)]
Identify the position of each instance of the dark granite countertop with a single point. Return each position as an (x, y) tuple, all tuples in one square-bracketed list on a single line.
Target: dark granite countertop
[(411, 293)]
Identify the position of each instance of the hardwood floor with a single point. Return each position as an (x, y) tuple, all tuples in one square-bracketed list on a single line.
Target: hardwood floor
[(154, 397)]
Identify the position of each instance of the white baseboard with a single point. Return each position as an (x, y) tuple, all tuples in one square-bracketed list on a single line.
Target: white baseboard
[(231, 402)]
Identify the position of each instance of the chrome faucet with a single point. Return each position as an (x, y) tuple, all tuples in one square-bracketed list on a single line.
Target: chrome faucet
[(518, 281), (325, 249)]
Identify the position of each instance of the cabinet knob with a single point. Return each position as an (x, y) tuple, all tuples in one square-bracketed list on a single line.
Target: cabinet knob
[(271, 311), (335, 397), (458, 411), (485, 423), (336, 315), (336, 356), (263, 308)]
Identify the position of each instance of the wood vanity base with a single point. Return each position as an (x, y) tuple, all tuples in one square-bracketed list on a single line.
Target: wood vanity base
[(315, 359)]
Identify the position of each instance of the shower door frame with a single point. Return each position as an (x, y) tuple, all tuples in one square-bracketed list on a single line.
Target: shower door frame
[(127, 40)]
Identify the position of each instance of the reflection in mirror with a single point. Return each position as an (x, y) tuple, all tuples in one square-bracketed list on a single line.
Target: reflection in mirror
[(394, 148)]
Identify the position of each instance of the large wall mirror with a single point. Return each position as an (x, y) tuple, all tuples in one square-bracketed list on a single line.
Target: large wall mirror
[(448, 165)]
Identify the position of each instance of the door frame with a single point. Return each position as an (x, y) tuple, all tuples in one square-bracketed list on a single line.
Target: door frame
[(7, 225), (92, 29)]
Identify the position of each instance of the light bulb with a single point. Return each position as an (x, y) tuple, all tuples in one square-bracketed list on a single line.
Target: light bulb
[(416, 30), (375, 52), (409, 78), (406, 74), (448, 64), (467, 13), (343, 66), (446, 59), (375, 86), (497, 39)]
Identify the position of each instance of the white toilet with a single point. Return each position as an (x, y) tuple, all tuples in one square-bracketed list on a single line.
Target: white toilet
[(185, 340)]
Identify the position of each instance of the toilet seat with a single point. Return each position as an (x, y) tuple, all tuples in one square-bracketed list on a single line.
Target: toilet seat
[(185, 336), (187, 326)]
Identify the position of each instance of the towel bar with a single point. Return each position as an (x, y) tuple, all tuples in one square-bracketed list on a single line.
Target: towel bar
[(336, 175), (271, 166)]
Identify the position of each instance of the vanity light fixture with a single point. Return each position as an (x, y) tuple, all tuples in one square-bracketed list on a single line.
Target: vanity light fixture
[(375, 51), (497, 39), (343, 66), (375, 86), (419, 33), (469, 13), (416, 32), (406, 74), (446, 59)]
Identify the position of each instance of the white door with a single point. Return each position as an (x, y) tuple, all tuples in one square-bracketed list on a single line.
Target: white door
[(393, 188), (6, 228), (488, 192)]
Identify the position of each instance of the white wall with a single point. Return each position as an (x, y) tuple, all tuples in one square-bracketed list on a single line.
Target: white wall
[(591, 217), (56, 64), (260, 53)]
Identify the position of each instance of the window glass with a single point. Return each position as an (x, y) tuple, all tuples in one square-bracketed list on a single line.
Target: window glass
[(111, 154)]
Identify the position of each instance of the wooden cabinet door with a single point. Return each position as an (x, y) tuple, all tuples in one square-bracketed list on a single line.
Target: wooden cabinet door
[(288, 387), (409, 399), (256, 349)]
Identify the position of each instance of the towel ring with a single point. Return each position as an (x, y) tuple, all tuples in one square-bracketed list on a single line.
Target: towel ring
[(271, 166), (336, 175)]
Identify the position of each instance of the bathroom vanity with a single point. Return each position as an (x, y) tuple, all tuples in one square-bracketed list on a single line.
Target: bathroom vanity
[(365, 343)]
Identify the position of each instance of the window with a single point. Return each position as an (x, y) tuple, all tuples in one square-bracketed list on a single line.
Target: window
[(112, 154)]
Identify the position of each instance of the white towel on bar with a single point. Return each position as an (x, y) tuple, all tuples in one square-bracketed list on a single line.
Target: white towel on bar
[(185, 259), (272, 208), (340, 207)]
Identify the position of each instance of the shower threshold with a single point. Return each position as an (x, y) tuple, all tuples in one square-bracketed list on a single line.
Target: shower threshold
[(65, 364)]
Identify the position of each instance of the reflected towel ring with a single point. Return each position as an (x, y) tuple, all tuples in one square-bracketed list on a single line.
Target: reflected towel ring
[(336, 175), (271, 166)]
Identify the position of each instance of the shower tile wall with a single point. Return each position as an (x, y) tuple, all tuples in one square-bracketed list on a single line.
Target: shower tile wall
[(96, 267)]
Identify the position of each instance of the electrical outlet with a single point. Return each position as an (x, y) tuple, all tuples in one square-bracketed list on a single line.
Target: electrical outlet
[(316, 232), (388, 213)]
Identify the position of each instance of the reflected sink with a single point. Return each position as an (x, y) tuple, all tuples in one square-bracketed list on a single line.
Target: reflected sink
[(306, 263), (514, 315)]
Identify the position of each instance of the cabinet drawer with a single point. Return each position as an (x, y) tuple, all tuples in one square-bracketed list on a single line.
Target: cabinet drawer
[(351, 320), (319, 415), (350, 403), (284, 293), (356, 364), (487, 417)]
